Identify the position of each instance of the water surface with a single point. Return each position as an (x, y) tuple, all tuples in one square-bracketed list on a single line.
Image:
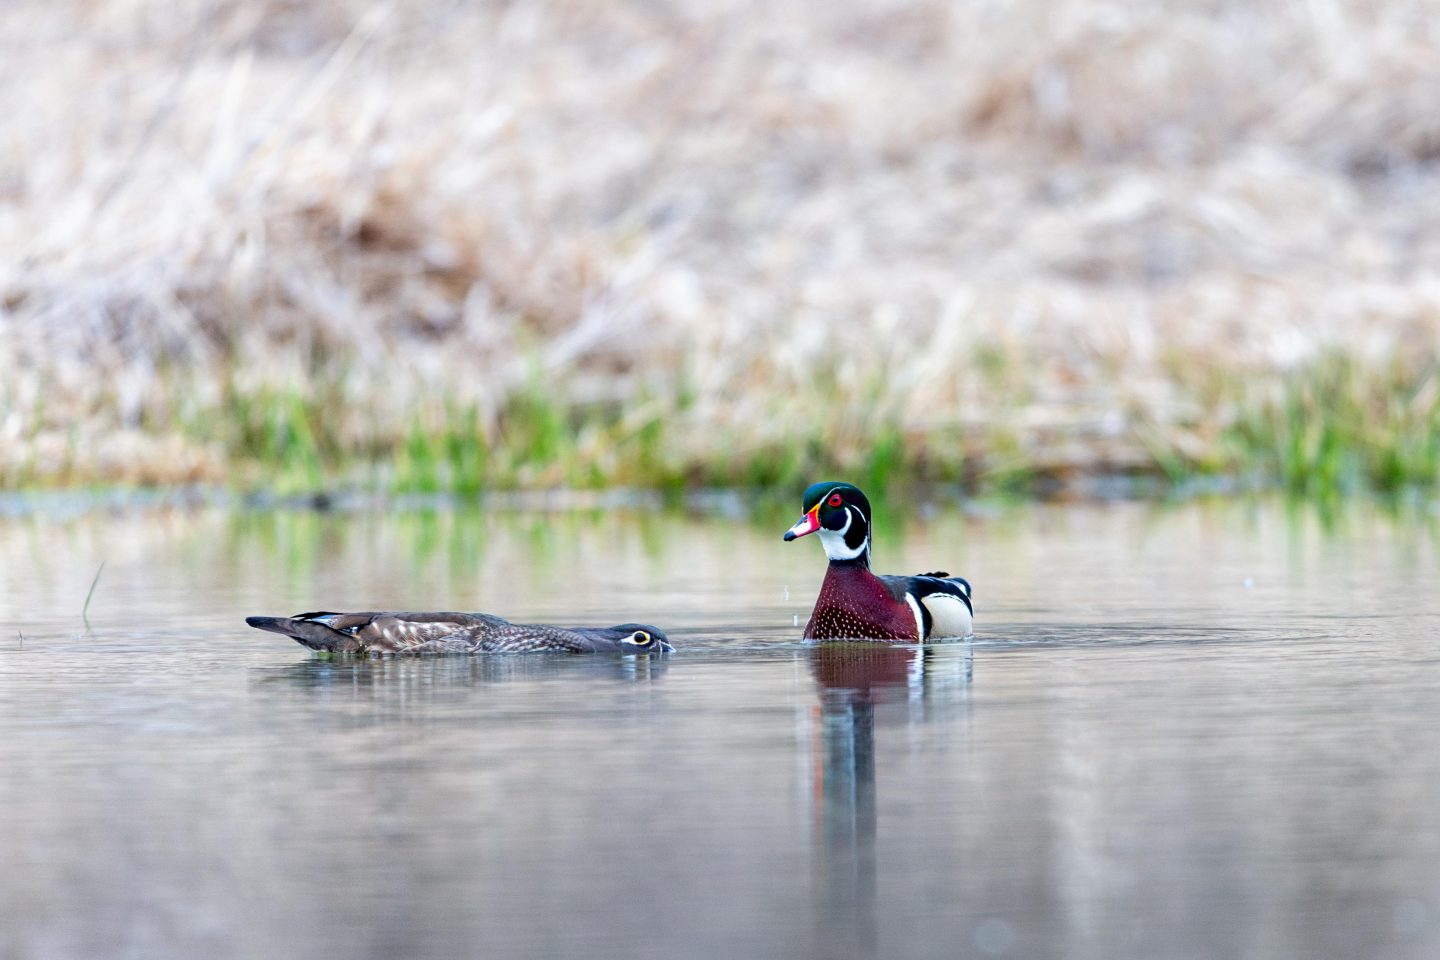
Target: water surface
[(1204, 731)]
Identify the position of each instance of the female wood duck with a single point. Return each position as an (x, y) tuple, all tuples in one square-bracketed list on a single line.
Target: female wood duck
[(420, 633), (855, 604)]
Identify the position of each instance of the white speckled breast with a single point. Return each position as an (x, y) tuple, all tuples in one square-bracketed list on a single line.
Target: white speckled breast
[(855, 605)]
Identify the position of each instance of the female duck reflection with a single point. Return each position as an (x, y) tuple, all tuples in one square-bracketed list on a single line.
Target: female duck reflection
[(439, 678), (910, 684)]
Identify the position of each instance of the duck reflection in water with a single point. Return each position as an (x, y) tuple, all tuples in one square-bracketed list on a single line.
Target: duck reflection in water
[(908, 685), (443, 677)]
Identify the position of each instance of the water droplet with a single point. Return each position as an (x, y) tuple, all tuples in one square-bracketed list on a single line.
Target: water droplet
[(994, 936), (1410, 917)]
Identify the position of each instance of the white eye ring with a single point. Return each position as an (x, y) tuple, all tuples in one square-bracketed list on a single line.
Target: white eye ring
[(640, 638)]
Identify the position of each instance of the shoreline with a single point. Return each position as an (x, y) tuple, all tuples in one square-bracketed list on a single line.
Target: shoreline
[(61, 504), (1337, 426)]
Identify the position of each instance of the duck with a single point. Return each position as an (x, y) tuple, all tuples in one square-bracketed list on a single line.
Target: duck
[(855, 604), (381, 633)]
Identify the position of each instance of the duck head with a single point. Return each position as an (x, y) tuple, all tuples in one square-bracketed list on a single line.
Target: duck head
[(638, 638), (840, 513)]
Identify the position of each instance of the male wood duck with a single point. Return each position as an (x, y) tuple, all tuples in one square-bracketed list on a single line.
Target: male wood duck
[(855, 604), (421, 633)]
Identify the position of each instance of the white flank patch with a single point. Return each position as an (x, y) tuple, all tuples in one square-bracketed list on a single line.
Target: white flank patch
[(948, 615)]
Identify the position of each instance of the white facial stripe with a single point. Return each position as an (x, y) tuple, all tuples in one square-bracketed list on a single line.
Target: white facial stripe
[(835, 546)]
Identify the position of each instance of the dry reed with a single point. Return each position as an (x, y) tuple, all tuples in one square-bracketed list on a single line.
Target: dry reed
[(724, 242)]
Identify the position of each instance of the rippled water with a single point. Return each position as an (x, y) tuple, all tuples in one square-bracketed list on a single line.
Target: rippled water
[(1205, 731)]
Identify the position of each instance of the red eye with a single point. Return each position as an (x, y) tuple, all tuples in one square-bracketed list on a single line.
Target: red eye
[(834, 500)]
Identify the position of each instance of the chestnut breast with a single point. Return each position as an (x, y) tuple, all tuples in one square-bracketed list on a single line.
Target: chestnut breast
[(855, 604)]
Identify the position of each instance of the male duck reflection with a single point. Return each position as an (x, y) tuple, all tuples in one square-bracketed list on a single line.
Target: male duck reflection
[(855, 604), (421, 633)]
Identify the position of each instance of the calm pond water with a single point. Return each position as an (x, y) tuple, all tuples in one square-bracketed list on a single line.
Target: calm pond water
[(1209, 731)]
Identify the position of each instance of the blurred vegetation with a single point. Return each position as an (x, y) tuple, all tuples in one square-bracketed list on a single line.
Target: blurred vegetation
[(440, 247), (1343, 427), (1334, 427)]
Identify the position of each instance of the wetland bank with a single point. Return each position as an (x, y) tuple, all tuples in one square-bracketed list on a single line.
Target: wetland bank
[(537, 244)]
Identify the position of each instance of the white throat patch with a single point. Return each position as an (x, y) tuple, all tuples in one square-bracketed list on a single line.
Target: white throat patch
[(835, 546)]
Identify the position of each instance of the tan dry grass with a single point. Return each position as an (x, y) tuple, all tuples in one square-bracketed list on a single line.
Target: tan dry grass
[(1031, 233)]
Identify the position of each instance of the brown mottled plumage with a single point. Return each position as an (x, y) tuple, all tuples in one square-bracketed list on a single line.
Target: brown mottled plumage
[(421, 633)]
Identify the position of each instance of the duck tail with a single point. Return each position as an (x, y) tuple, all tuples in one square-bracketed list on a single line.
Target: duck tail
[(314, 635)]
